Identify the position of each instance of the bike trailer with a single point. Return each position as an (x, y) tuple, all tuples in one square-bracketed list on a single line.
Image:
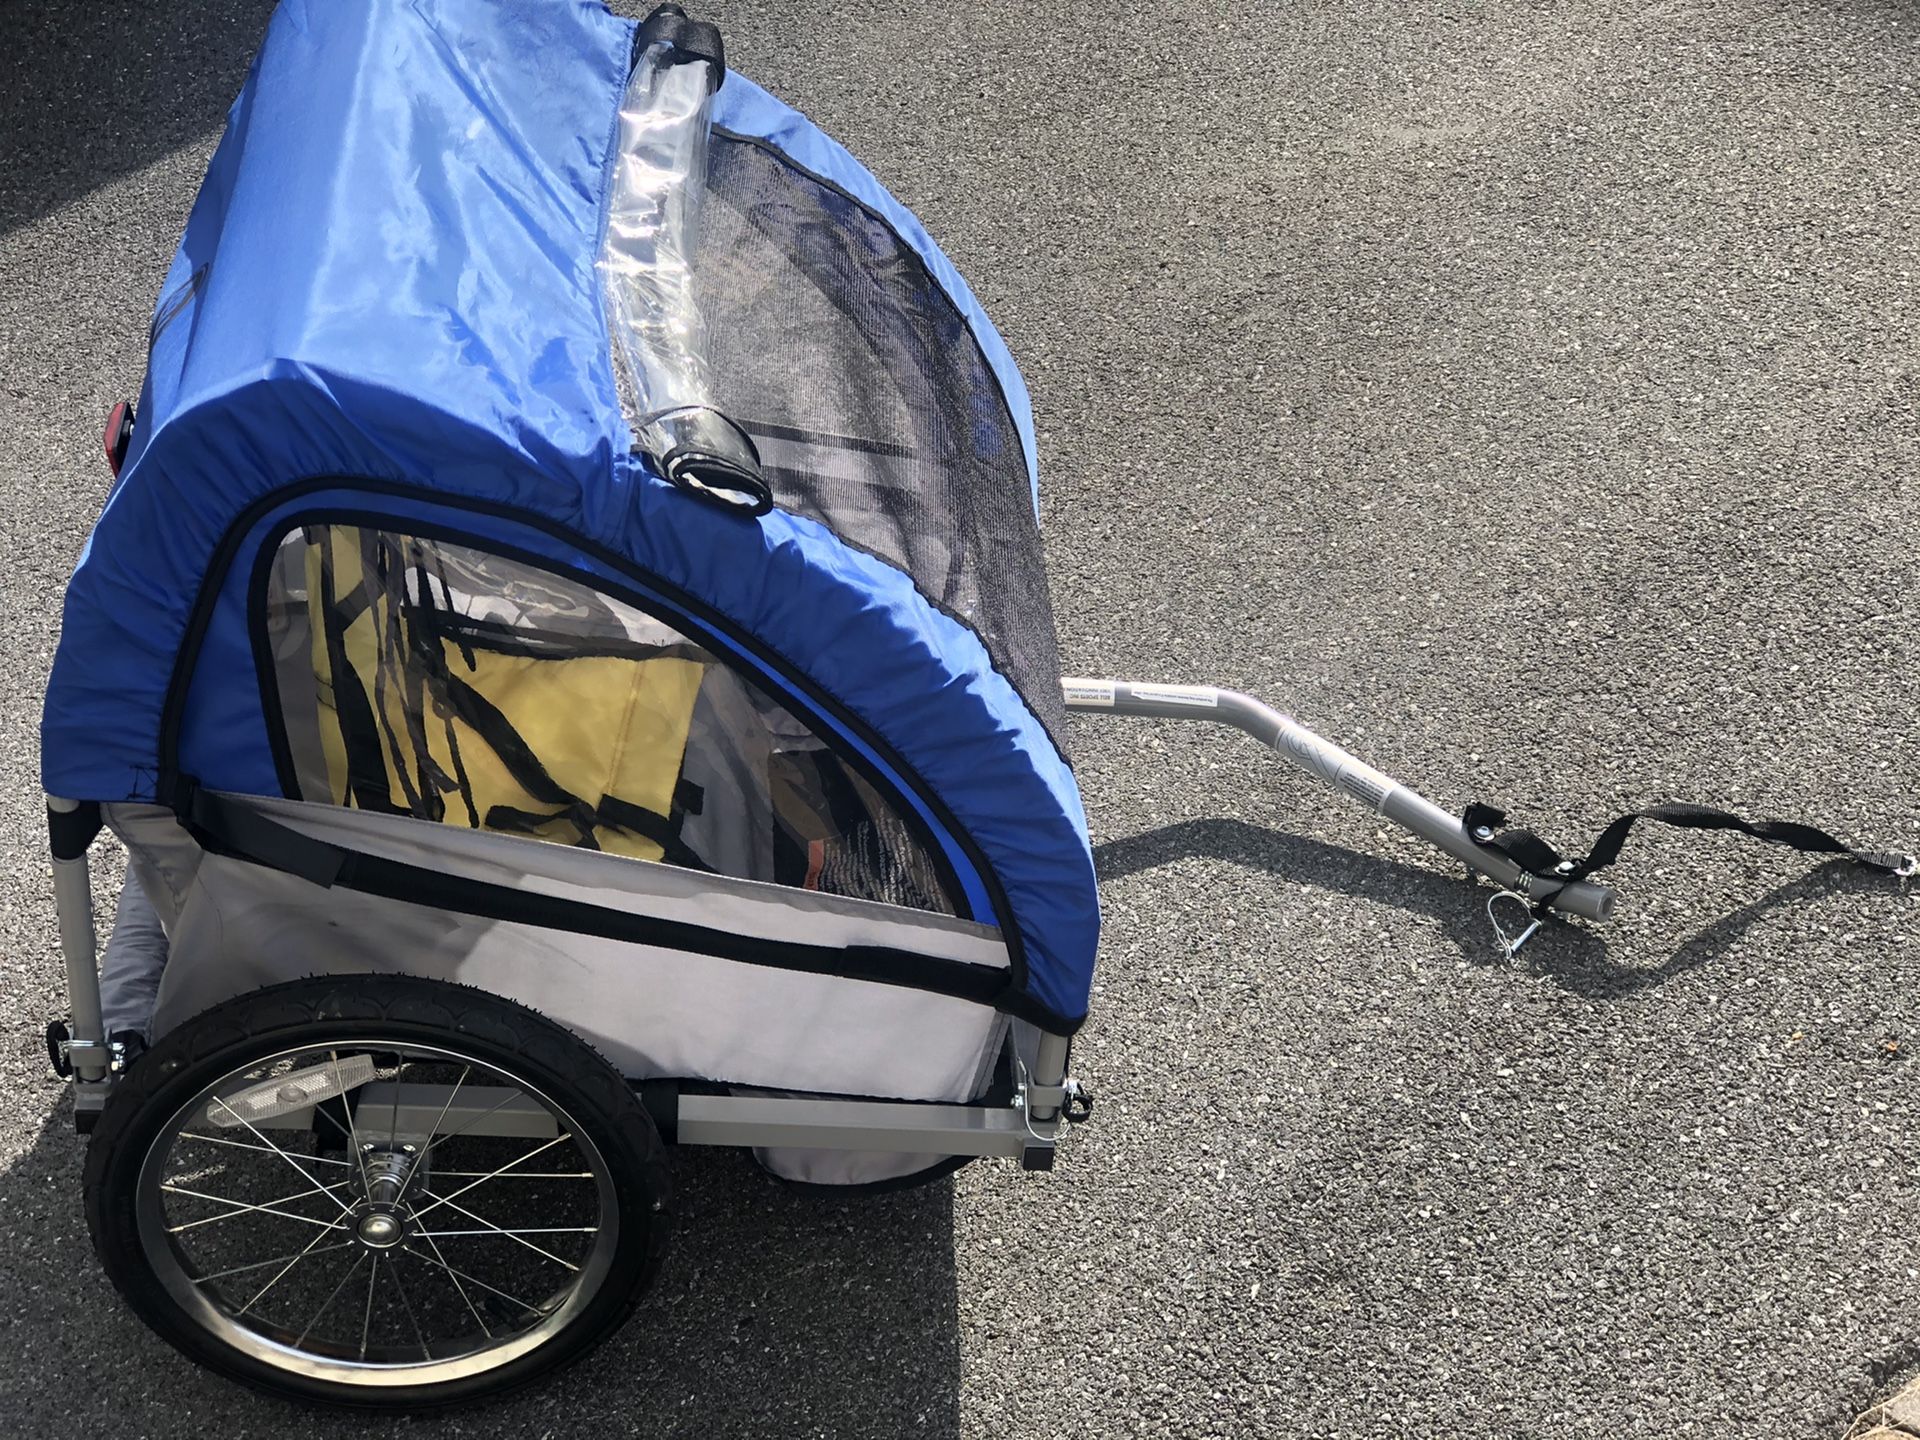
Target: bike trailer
[(568, 653)]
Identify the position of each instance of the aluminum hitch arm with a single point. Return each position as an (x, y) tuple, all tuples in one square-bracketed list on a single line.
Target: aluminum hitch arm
[(1350, 775)]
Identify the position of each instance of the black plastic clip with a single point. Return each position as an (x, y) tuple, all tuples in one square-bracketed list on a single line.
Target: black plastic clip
[(58, 1037), (691, 40), (1077, 1107)]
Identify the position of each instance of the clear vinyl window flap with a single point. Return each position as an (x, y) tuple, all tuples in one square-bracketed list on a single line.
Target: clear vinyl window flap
[(417, 677), (646, 266), (775, 340)]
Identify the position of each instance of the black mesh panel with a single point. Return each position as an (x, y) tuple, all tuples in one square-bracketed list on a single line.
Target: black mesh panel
[(873, 409)]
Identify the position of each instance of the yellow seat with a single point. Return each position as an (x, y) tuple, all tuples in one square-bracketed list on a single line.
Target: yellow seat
[(520, 732)]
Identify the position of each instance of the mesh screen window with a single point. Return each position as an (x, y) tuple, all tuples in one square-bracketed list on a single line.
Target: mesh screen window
[(869, 400), (422, 678)]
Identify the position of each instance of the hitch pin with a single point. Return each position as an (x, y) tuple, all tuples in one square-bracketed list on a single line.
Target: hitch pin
[(1510, 944)]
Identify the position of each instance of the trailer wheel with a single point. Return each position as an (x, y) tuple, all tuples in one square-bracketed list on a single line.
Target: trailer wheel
[(498, 1207)]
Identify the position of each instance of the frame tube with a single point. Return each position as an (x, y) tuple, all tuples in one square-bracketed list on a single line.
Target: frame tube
[(79, 943), (856, 1125), (1049, 1074), (1347, 773)]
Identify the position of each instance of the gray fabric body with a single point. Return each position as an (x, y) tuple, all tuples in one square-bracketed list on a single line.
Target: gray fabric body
[(235, 926), (130, 969)]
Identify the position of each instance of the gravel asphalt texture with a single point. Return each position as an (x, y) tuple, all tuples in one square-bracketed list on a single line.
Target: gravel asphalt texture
[(1522, 394)]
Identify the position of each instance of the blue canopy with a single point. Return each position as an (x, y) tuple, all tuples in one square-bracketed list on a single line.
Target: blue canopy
[(386, 303)]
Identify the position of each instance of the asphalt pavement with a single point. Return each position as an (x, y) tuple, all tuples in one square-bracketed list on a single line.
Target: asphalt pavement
[(1525, 395)]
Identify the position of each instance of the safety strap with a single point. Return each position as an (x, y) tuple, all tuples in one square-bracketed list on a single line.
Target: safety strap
[(1540, 858), (662, 830), (359, 732), (486, 720)]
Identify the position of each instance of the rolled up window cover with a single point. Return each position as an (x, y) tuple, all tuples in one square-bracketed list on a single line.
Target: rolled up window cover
[(646, 262)]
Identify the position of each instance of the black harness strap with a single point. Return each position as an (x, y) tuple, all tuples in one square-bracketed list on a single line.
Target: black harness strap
[(431, 660), (512, 819), (662, 830), (529, 772), (376, 579), (367, 781), (532, 776), (1539, 858), (1790, 833)]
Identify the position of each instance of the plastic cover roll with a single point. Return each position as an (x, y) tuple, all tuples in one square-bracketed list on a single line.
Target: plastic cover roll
[(646, 262)]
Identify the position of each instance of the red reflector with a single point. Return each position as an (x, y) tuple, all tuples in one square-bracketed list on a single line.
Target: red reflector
[(115, 437)]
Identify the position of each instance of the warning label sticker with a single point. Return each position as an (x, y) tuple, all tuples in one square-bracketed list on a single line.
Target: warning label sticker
[(1178, 695), (1088, 692)]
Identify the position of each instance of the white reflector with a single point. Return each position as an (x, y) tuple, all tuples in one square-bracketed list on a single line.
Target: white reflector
[(286, 1093)]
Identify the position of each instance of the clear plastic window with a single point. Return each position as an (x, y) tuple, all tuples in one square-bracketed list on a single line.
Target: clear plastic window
[(417, 677)]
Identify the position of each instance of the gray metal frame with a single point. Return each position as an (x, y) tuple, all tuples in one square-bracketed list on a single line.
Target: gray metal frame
[(87, 1050)]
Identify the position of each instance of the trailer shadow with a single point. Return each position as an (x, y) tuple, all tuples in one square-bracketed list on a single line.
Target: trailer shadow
[(778, 1313), (95, 92), (1568, 953)]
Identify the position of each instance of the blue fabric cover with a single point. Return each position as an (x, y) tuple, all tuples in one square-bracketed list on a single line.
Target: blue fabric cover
[(389, 276)]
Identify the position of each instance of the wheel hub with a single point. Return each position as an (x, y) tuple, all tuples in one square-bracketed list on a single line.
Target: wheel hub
[(381, 1218), (380, 1230)]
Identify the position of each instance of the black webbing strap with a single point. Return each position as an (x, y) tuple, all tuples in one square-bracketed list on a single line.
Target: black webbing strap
[(367, 778), (662, 830), (225, 827), (1790, 833), (531, 774), (222, 826), (690, 39), (1538, 857)]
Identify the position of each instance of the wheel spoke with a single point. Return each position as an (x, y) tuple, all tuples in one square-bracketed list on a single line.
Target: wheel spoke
[(327, 1304), (345, 1208), (266, 1207), (366, 1321), (407, 1179), (393, 1125), (353, 1130), (454, 1275), (262, 1264), (262, 1149), (432, 1145), (495, 1229), (288, 1266), (393, 1271), (471, 1280), (537, 1150)]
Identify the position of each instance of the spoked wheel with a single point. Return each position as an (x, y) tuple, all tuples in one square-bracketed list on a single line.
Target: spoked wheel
[(377, 1191)]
